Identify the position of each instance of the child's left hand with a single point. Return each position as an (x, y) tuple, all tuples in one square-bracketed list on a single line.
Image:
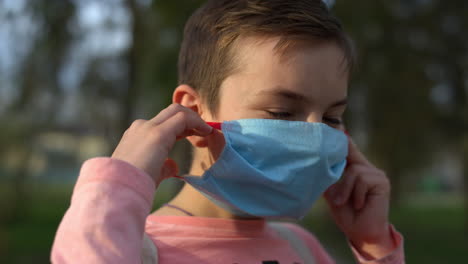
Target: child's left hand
[(359, 204)]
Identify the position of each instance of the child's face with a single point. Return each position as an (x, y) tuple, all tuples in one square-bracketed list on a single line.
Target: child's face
[(307, 83)]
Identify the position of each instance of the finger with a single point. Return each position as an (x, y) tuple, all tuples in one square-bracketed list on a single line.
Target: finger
[(331, 191), (186, 123), (174, 109), (344, 188), (167, 113), (354, 154), (359, 194), (138, 123), (192, 132)]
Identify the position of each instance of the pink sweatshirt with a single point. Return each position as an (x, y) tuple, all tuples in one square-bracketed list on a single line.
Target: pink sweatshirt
[(110, 211)]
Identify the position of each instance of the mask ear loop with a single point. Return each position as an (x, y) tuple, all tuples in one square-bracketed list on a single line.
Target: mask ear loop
[(215, 125)]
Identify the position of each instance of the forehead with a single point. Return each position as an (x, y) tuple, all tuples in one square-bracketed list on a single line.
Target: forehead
[(314, 69)]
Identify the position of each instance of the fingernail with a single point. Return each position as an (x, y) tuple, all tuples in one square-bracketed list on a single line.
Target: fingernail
[(206, 129)]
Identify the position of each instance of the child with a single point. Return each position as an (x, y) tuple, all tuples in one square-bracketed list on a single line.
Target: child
[(270, 77)]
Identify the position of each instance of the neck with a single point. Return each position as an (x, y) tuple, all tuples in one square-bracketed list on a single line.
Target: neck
[(196, 203)]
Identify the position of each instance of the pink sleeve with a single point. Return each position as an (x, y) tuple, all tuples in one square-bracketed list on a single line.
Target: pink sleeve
[(322, 257), (106, 218), (319, 253), (397, 256)]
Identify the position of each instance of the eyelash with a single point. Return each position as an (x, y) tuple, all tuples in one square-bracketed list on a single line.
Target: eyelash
[(285, 115), (280, 115), (334, 121)]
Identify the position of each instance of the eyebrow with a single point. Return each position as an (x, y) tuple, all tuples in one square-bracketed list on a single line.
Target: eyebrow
[(298, 97)]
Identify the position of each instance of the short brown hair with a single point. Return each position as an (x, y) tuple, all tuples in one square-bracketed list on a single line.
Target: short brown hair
[(206, 55)]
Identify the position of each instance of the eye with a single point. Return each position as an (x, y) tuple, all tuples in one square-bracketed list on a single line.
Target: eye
[(279, 115), (333, 121)]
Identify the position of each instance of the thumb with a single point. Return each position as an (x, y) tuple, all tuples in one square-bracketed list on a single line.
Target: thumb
[(169, 169)]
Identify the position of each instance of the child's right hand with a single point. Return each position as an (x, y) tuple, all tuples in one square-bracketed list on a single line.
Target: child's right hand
[(146, 143)]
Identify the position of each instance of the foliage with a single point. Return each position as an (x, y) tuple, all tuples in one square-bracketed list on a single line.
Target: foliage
[(62, 72)]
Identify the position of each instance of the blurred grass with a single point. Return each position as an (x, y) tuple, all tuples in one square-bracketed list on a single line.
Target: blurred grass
[(27, 234), (433, 234), (433, 231)]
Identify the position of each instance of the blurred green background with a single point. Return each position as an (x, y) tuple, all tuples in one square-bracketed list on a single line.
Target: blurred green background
[(74, 74)]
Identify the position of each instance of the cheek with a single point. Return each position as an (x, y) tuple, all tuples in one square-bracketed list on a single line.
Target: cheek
[(229, 110), (232, 99)]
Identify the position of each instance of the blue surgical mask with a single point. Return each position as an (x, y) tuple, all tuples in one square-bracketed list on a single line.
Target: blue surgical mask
[(273, 168)]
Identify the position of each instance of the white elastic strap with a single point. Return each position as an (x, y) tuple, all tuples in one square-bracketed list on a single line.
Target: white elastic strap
[(295, 241), (149, 252)]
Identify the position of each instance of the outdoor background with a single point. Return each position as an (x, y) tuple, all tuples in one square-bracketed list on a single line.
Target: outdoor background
[(74, 74)]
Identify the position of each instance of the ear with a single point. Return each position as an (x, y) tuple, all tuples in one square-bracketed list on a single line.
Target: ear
[(188, 97)]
